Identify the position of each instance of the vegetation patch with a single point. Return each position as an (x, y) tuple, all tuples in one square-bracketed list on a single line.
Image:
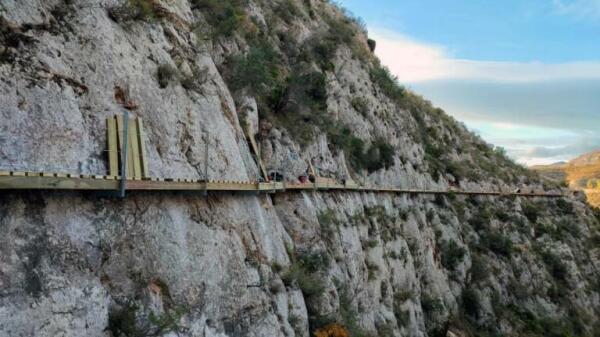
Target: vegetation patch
[(470, 303), (306, 273), (496, 242), (556, 267), (344, 323), (166, 74), (387, 82), (144, 10), (361, 105), (481, 220), (531, 211), (225, 17), (124, 321), (329, 223), (287, 10), (259, 70), (380, 155), (452, 254), (479, 271)]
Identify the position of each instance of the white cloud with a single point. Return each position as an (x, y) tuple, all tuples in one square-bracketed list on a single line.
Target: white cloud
[(584, 9), (413, 61)]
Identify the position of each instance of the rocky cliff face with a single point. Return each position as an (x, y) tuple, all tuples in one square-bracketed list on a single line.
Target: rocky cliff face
[(301, 74)]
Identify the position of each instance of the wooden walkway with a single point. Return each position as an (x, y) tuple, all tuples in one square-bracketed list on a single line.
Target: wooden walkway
[(126, 153), (10, 180)]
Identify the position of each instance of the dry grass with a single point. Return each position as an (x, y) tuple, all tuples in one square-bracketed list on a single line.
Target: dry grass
[(582, 173), (593, 197), (576, 175)]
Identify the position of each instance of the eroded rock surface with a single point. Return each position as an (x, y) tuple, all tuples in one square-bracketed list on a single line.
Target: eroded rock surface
[(167, 264)]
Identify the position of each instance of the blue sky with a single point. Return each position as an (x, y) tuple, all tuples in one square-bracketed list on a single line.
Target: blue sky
[(525, 74)]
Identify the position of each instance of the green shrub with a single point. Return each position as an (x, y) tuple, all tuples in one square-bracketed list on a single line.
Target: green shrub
[(430, 305), (306, 272), (302, 106), (370, 244), (361, 105), (124, 322), (328, 222), (479, 269), (166, 74), (481, 220), (341, 29), (470, 303), (259, 70), (276, 267), (404, 295), (372, 270), (226, 17), (143, 10), (387, 82), (352, 146), (564, 206), (531, 211), (402, 316), (534, 325), (565, 226), (348, 314), (501, 215), (379, 156), (314, 262), (323, 51), (497, 243), (311, 284), (556, 267), (457, 169), (452, 254), (169, 321), (287, 10)]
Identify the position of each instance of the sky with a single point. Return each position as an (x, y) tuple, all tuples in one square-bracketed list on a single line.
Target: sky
[(524, 74)]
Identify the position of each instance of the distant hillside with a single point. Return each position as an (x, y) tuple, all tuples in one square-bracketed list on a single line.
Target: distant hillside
[(592, 158), (582, 173)]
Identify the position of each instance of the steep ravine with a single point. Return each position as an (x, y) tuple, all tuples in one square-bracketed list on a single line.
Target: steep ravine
[(302, 75)]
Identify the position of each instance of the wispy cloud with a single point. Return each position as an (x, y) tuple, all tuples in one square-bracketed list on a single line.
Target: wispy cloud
[(415, 61), (540, 112), (583, 9)]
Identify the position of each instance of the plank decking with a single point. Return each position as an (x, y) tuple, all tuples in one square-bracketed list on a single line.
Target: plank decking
[(56, 181)]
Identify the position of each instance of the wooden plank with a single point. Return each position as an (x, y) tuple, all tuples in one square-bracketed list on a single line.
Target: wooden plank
[(255, 149), (112, 141), (142, 143), (54, 183), (135, 149), (120, 126)]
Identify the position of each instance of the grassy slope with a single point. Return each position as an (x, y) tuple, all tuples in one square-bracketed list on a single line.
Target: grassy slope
[(577, 174)]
